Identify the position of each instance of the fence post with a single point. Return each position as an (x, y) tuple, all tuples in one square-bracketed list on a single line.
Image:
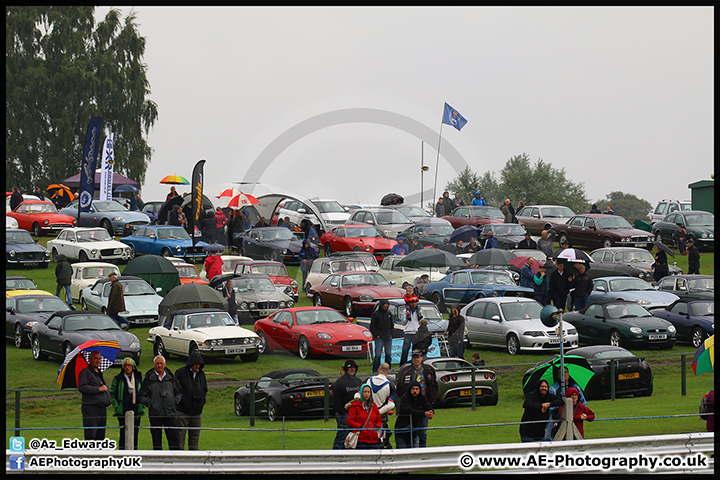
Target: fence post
[(683, 373), (129, 430), (17, 413), (326, 400), (252, 404), (472, 386), (612, 379)]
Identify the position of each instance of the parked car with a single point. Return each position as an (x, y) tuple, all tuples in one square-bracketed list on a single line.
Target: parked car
[(430, 231), (16, 285), (41, 217), (291, 392), (141, 301), (367, 258), (85, 244), (21, 249), (464, 286), (633, 374), (472, 215), (151, 209), (699, 225), (689, 287), (277, 272), (188, 273), (630, 288), (514, 324), (436, 323), (601, 230), (622, 324), (403, 276), (541, 217), (86, 274), (63, 331), (255, 295), (666, 207), (332, 213), (358, 238), (694, 320), (508, 235), (167, 241), (312, 331), (23, 311), (324, 267), (229, 264), (625, 261), (388, 221), (210, 331), (11, 223), (454, 377), (411, 212), (269, 243), (107, 214), (354, 292), (26, 198)]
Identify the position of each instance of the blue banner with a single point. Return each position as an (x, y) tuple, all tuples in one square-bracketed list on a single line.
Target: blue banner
[(453, 117), (396, 350), (89, 162)]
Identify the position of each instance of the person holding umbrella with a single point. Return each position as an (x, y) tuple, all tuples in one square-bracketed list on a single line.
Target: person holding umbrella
[(537, 407), (660, 267), (124, 391), (559, 286), (95, 398)]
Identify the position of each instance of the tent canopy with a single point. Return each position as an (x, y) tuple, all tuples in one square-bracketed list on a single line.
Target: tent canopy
[(74, 181)]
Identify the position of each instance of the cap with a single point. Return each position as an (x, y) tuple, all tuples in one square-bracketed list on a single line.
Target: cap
[(112, 274), (487, 233), (417, 351), (349, 363)]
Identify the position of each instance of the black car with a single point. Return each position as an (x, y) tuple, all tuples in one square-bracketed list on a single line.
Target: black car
[(633, 374), (625, 261), (15, 282), (508, 235), (269, 243), (255, 295), (64, 331), (292, 392), (694, 320), (700, 225), (430, 231), (23, 311), (689, 287)]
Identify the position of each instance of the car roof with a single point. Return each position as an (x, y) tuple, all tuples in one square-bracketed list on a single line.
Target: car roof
[(188, 311), (613, 302), (681, 275), (506, 299), (93, 264), (15, 230), (75, 229), (17, 277), (120, 278), (618, 277), (37, 201), (65, 313), (287, 371), (618, 249), (593, 349)]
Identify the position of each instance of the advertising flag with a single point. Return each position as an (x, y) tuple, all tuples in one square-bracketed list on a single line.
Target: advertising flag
[(196, 198), (453, 117), (89, 162), (106, 169)]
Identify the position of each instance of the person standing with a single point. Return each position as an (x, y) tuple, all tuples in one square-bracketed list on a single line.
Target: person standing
[(381, 327), (63, 277), (457, 201), (140, 203), (472, 246), (220, 222), (413, 414), (343, 391), (415, 245), (582, 283), (124, 391), (680, 236), (385, 397), (479, 200), (411, 320), (133, 203), (209, 227), (559, 286), (556, 389), (173, 217), (540, 285), (580, 410), (693, 257), (15, 199), (609, 210), (595, 209), (660, 267), (528, 242), (213, 266), (426, 377), (537, 407), (527, 275), (191, 384), (399, 248), (172, 193), (159, 394), (545, 243), (506, 209), (439, 208), (307, 256), (456, 332), (38, 193), (447, 203), (263, 223), (127, 231), (116, 301), (95, 398), (363, 415), (228, 293)]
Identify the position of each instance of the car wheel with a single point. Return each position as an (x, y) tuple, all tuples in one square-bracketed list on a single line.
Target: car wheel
[(82, 256), (19, 339), (697, 337), (36, 352), (607, 242), (132, 253), (307, 288), (328, 249), (615, 339), (263, 345), (513, 344), (102, 309), (317, 300), (67, 349), (405, 284), (563, 238), (272, 410), (304, 350), (251, 357), (36, 229), (348, 307), (108, 226), (438, 300), (357, 249), (83, 305), (159, 349), (165, 252), (239, 409), (54, 255)]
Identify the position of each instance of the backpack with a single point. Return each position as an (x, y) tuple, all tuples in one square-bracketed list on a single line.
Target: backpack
[(704, 408)]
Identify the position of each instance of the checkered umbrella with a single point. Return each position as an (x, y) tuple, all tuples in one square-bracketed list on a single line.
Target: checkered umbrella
[(77, 360)]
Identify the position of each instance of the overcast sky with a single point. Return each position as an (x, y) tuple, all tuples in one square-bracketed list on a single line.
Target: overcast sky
[(621, 98)]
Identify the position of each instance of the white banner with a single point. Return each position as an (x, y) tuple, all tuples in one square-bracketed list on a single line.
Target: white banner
[(106, 169)]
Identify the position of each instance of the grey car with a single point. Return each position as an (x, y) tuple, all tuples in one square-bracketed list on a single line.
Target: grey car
[(541, 217), (255, 295), (624, 261), (141, 301), (388, 221)]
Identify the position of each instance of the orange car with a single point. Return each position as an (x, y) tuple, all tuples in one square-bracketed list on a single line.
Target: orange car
[(189, 274), (41, 217)]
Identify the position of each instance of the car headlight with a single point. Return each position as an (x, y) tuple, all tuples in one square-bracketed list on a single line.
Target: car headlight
[(282, 304), (367, 334), (46, 221), (495, 294), (625, 240), (288, 291), (294, 284), (74, 221), (366, 298), (135, 344), (178, 248), (290, 303), (388, 233), (324, 336), (244, 305), (704, 235), (252, 305), (671, 329), (572, 331), (12, 253), (642, 302), (127, 250), (645, 275), (711, 235), (533, 333), (368, 248), (636, 329), (93, 252), (284, 251), (118, 219), (47, 254)]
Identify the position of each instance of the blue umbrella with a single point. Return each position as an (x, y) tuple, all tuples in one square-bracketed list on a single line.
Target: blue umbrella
[(464, 233), (214, 247), (125, 188)]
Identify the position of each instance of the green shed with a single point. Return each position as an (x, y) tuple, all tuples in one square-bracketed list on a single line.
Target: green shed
[(703, 195)]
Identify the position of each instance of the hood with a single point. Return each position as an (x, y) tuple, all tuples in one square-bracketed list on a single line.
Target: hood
[(378, 291), (223, 332), (646, 323), (255, 296), (653, 296), (698, 231), (25, 247), (294, 245), (195, 357), (145, 304), (124, 339)]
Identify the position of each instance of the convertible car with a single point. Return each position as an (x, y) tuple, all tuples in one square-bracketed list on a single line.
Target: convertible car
[(269, 243), (454, 377), (354, 292), (312, 331), (23, 311), (255, 295), (403, 276), (277, 272), (630, 288), (689, 287), (21, 249), (167, 241), (107, 214), (358, 238), (84, 244), (694, 320), (41, 217), (141, 301)]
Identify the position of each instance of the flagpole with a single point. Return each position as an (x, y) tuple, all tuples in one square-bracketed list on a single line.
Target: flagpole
[(422, 173), (437, 163)]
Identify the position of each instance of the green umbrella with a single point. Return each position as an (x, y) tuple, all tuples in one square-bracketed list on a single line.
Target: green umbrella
[(578, 368), (158, 271)]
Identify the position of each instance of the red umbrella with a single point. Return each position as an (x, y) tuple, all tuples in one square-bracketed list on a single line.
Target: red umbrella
[(77, 360), (519, 262), (242, 200)]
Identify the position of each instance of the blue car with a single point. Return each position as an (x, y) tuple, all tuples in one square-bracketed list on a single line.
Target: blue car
[(168, 241), (151, 209), (108, 214), (632, 289), (464, 286), (694, 320), (21, 249)]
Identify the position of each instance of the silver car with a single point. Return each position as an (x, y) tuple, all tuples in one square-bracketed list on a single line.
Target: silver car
[(513, 323), (141, 301), (389, 222), (540, 217)]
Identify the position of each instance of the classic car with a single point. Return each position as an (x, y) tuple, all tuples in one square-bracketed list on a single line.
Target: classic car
[(107, 214), (358, 238), (323, 267), (255, 295), (430, 231), (86, 274), (689, 287), (508, 235), (403, 276), (331, 211), (16, 285), (41, 217), (464, 286), (269, 243), (167, 241), (276, 271), (513, 323), (10, 222), (63, 331), (633, 374), (210, 331), (541, 217), (22, 311), (354, 292), (188, 273), (601, 230), (151, 209), (389, 222), (85, 244), (141, 301), (25, 196), (367, 258), (21, 249), (292, 393), (454, 378), (694, 320), (630, 288), (312, 331), (621, 323), (229, 264), (700, 225), (474, 215), (625, 261)]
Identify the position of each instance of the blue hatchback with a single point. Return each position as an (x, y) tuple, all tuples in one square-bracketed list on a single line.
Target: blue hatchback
[(168, 241)]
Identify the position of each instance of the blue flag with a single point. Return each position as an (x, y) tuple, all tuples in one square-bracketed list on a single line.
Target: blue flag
[(89, 162), (453, 117)]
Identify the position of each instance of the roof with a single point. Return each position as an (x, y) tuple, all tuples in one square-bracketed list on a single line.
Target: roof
[(16, 277), (120, 278), (65, 313), (189, 311), (284, 372)]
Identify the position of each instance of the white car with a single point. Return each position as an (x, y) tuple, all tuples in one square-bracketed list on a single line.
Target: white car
[(10, 222), (323, 267), (332, 213), (406, 275), (25, 198), (210, 331), (84, 244), (229, 263), (85, 274)]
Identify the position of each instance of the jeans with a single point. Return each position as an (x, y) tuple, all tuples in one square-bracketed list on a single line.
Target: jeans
[(580, 302), (380, 345), (119, 319), (193, 433), (68, 293), (407, 343), (367, 446), (94, 416), (342, 431), (420, 438), (457, 348)]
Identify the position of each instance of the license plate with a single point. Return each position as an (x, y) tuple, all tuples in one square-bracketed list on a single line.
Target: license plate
[(628, 376), (352, 348), (641, 245), (234, 351), (554, 340), (143, 320), (468, 392), (315, 393), (657, 337)]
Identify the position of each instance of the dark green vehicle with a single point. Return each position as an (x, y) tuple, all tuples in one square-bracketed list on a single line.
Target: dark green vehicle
[(700, 226)]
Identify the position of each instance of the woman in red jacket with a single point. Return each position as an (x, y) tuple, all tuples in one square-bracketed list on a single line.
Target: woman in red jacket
[(364, 415), (213, 266), (580, 411)]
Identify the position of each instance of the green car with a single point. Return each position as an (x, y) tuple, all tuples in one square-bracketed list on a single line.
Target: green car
[(699, 225)]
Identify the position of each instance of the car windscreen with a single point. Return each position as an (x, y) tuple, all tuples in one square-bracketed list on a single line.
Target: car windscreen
[(508, 230), (312, 317), (386, 218), (358, 279), (204, 320), (702, 309), (610, 223), (557, 212), (76, 323), (491, 277), (253, 284), (109, 206), (486, 213), (18, 237), (362, 232), (274, 270), (50, 304), (430, 312), (42, 208), (701, 284), (414, 212), (20, 284), (98, 272), (136, 287), (178, 233), (439, 230), (700, 220), (629, 284), (279, 234), (329, 207), (626, 310), (187, 272), (96, 235), (349, 266), (521, 310)]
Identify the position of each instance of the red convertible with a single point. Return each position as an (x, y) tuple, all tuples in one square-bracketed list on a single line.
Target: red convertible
[(353, 291), (473, 215), (312, 330), (359, 238), (277, 272), (41, 217)]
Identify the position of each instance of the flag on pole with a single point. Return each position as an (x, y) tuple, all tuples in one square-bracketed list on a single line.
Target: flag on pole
[(106, 169), (196, 197), (453, 117), (87, 170)]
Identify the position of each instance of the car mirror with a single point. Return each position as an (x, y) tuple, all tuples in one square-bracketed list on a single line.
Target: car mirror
[(152, 236), (683, 313), (158, 289), (285, 323), (9, 310), (536, 216), (601, 288), (93, 292), (599, 316), (495, 317), (333, 284), (392, 282), (54, 327), (351, 319), (301, 210)]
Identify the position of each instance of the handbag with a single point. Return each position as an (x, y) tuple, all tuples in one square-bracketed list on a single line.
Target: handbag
[(352, 437)]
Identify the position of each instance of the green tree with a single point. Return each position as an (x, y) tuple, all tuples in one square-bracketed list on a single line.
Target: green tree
[(626, 205), (61, 71), (468, 182)]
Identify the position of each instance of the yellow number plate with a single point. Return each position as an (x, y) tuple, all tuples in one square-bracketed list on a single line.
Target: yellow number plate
[(315, 393), (467, 393), (628, 376)]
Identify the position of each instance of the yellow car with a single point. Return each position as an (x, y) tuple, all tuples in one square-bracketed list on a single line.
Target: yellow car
[(15, 285)]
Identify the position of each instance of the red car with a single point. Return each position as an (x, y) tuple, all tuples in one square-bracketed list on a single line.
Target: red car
[(599, 230), (359, 238), (41, 217), (473, 215), (356, 292), (277, 272), (312, 331), (189, 274)]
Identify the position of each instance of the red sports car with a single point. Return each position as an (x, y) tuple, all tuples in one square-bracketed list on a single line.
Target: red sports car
[(359, 238), (41, 217), (277, 272), (354, 292), (312, 330), (473, 215)]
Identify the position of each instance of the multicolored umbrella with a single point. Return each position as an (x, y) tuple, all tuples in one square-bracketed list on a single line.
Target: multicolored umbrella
[(175, 180), (578, 368), (78, 359), (519, 262), (242, 200), (704, 359), (60, 190)]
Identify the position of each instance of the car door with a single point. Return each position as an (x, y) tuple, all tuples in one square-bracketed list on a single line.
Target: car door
[(262, 392), (458, 290), (93, 301), (284, 336), (669, 226), (251, 245), (600, 290), (328, 291), (574, 230), (175, 341), (338, 240), (533, 222), (51, 336), (89, 218), (678, 317), (474, 321), (494, 327), (138, 240), (591, 327)]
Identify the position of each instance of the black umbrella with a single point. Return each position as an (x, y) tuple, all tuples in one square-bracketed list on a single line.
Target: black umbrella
[(491, 256), (165, 208), (191, 295), (125, 188), (214, 247), (464, 233), (664, 248), (391, 198), (430, 257)]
